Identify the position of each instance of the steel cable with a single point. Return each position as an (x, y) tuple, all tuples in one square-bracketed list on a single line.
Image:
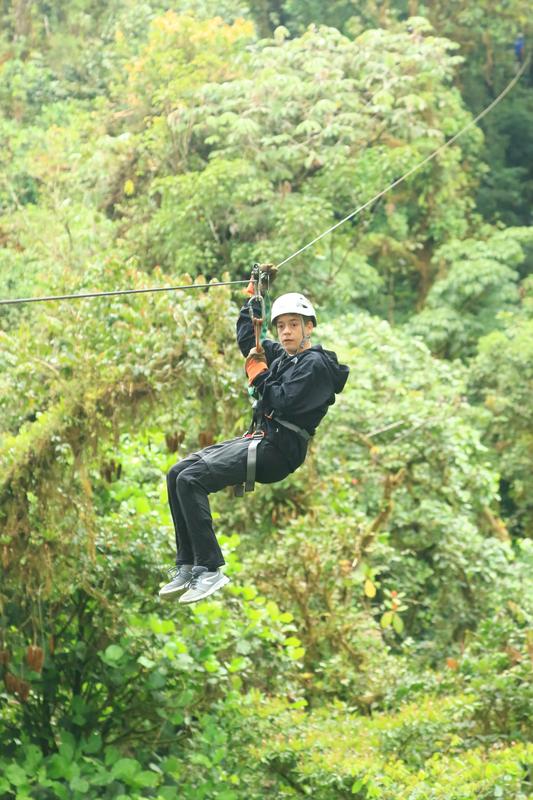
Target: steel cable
[(413, 169)]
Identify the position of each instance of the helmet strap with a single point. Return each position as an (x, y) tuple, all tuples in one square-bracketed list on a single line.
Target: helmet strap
[(305, 337)]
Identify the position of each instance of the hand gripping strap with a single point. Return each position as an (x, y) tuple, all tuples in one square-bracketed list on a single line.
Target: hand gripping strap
[(254, 368)]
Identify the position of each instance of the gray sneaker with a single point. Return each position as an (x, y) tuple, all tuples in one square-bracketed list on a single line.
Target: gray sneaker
[(203, 584), (181, 577)]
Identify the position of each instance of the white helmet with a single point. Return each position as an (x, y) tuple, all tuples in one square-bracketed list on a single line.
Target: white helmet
[(292, 303)]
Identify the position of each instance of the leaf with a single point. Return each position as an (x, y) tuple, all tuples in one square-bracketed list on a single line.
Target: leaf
[(33, 757), (125, 769), (144, 661), (292, 641), (237, 664), (302, 703), (58, 766), (162, 625), (16, 775), (93, 744), (146, 778), (370, 588), (113, 653), (386, 619), (397, 623), (78, 784), (286, 617), (307, 128), (142, 506), (296, 652)]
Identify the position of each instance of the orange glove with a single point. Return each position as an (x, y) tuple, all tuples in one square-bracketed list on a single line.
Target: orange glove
[(255, 364)]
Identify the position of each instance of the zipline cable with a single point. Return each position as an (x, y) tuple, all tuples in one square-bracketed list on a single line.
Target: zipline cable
[(358, 210), (415, 168), (118, 292)]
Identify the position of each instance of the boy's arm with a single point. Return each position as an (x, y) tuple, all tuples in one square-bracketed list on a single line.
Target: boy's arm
[(309, 387), (246, 335)]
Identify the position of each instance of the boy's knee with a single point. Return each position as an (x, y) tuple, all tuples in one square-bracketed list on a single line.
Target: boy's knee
[(172, 474), (192, 476), (183, 479)]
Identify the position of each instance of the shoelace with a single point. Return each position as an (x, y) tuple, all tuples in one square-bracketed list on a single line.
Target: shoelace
[(195, 578), (174, 571)]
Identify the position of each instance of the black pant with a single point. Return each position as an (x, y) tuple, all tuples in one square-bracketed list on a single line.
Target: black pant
[(192, 479)]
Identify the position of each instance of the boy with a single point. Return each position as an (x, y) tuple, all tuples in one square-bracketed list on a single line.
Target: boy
[(295, 383)]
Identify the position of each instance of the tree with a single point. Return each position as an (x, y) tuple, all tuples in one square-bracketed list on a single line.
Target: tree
[(502, 380), (478, 279)]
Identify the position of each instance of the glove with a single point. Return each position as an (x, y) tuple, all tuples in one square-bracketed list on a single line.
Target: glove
[(255, 364), (268, 274)]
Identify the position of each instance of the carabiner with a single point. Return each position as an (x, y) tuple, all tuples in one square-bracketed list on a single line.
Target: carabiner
[(261, 300)]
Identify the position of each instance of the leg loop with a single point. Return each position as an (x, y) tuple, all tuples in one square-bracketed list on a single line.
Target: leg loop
[(251, 465)]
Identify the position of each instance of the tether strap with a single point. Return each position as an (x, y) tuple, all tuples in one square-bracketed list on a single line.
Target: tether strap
[(251, 463)]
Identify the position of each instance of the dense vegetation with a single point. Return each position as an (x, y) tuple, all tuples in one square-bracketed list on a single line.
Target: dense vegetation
[(376, 639)]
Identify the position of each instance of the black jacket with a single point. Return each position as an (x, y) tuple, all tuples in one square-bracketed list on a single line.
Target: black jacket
[(297, 388)]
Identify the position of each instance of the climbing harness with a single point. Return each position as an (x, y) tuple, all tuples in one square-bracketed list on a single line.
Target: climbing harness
[(305, 435), (256, 437)]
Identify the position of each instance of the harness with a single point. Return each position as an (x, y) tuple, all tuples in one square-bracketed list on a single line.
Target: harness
[(256, 436)]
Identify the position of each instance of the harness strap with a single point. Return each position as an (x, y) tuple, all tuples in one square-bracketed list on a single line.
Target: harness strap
[(292, 427), (251, 464), (255, 438), (305, 435)]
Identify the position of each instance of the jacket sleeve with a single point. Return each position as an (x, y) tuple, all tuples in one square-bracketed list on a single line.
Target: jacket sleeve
[(246, 336), (305, 388)]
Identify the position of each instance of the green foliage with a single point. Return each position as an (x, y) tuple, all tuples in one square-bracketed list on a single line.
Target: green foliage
[(502, 379), (384, 588), (111, 673), (82, 391), (332, 754), (479, 279), (505, 193), (391, 532), (327, 145)]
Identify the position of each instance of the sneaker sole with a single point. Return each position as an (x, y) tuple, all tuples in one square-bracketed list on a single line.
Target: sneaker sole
[(173, 592), (208, 592)]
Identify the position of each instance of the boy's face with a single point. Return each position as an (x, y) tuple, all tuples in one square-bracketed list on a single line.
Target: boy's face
[(290, 333)]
